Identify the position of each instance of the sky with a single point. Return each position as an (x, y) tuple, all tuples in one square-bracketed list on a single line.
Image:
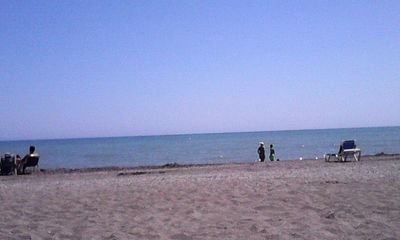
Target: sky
[(129, 68)]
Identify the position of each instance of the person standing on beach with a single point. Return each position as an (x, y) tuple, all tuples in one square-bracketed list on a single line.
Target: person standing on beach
[(261, 152), (271, 153)]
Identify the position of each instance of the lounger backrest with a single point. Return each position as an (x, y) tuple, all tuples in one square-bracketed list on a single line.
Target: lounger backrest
[(349, 144), (32, 161)]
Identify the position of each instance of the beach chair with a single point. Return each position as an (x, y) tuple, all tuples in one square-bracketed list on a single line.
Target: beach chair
[(7, 164), (347, 148), (31, 161)]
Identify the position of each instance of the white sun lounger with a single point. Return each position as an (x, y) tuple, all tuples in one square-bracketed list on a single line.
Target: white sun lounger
[(347, 148)]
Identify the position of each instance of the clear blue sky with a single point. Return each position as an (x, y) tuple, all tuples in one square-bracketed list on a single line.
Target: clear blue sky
[(123, 68)]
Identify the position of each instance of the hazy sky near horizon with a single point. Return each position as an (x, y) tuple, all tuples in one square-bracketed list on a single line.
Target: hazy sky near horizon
[(123, 68)]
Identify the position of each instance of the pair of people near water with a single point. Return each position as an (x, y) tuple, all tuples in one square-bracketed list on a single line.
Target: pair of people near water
[(261, 152)]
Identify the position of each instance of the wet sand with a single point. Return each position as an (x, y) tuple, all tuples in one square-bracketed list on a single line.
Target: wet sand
[(308, 199)]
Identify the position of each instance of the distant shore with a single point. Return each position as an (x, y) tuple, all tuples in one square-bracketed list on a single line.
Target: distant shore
[(309, 199)]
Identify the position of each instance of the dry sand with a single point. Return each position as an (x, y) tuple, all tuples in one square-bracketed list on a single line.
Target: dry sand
[(308, 199)]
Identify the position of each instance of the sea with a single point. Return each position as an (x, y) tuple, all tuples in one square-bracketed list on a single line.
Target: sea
[(210, 148)]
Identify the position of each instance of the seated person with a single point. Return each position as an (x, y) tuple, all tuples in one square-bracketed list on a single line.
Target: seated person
[(22, 163)]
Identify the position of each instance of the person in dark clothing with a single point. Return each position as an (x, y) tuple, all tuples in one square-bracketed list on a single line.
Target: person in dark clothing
[(261, 152), (23, 161)]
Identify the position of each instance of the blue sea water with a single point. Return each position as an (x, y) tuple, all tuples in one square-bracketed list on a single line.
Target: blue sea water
[(202, 148)]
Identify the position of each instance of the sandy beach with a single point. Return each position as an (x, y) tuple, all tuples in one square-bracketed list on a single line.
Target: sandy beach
[(308, 199)]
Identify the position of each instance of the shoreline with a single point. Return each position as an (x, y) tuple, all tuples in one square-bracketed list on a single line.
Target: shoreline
[(175, 165)]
